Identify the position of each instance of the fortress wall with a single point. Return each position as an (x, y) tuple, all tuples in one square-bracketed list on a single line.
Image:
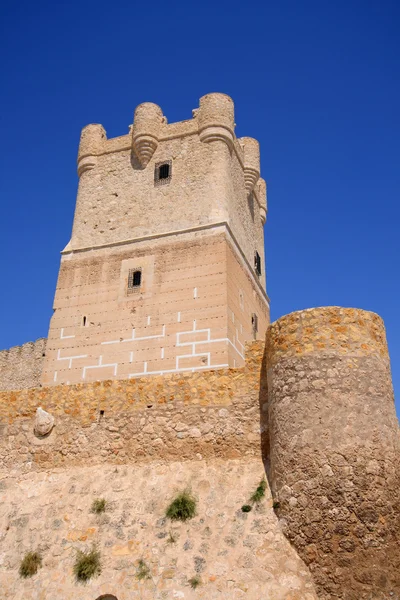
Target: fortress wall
[(21, 366), (334, 442), (158, 436), (173, 417), (236, 555)]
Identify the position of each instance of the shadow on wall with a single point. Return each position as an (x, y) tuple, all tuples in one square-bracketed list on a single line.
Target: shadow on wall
[(107, 597), (263, 408)]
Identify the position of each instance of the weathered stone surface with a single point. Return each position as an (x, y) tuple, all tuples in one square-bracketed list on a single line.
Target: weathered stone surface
[(335, 449), (236, 555), (21, 366), (44, 422)]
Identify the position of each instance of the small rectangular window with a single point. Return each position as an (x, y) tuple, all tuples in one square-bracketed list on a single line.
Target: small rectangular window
[(257, 263), (134, 280), (163, 172)]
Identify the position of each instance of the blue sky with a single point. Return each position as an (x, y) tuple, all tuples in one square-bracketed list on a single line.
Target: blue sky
[(316, 82)]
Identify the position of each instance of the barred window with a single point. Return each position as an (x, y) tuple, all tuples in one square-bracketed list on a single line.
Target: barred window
[(163, 172), (134, 280)]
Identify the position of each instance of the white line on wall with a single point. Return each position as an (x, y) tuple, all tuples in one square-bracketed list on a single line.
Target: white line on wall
[(135, 339), (70, 358), (179, 317), (195, 293), (148, 320), (65, 337), (100, 366), (145, 372), (162, 352)]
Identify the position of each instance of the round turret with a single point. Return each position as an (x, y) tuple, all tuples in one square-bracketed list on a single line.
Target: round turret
[(251, 159), (92, 139), (334, 448), (216, 118), (145, 131), (262, 198)]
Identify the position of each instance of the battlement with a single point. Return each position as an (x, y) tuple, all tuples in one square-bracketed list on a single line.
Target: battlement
[(212, 121), (21, 366)]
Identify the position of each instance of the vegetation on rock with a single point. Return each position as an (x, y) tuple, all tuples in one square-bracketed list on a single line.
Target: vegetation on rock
[(87, 565), (182, 508), (30, 564)]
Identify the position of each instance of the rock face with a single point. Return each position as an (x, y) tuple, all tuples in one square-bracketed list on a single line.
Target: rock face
[(334, 442), (44, 422)]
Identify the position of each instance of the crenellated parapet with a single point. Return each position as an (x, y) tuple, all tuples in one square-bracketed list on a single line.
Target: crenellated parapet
[(21, 366), (212, 121)]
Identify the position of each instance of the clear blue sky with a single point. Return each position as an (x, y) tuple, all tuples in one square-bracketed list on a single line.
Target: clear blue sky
[(316, 82)]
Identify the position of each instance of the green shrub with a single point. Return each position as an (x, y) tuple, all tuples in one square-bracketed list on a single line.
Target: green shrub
[(194, 582), (98, 506), (172, 538), (260, 492), (143, 571), (182, 508), (30, 564), (276, 504), (87, 565), (246, 508)]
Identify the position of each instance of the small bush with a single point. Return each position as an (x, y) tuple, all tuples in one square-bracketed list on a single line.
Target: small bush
[(98, 506), (182, 508), (260, 492), (276, 505), (246, 508), (30, 564), (143, 571), (172, 538), (87, 565), (194, 582)]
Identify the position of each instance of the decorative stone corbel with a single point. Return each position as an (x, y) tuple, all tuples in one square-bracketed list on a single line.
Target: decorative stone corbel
[(44, 422)]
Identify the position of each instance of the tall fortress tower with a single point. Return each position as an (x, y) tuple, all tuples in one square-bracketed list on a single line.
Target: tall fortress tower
[(165, 268), (288, 446)]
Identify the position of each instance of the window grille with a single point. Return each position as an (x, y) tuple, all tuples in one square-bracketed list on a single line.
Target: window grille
[(134, 280), (163, 172)]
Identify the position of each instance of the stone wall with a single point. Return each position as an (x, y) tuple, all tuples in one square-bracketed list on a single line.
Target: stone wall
[(137, 444), (334, 441), (173, 417), (21, 366), (184, 316), (236, 555)]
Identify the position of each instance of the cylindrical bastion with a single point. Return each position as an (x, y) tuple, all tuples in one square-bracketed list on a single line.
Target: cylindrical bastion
[(334, 443)]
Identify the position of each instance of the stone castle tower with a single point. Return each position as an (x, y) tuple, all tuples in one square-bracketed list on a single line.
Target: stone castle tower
[(164, 275), (165, 269)]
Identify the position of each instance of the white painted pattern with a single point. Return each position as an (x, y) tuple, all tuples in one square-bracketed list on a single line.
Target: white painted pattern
[(70, 358), (65, 337), (194, 351), (100, 366), (137, 339)]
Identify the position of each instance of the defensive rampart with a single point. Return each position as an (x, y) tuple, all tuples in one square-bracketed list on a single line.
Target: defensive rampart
[(21, 366), (335, 449)]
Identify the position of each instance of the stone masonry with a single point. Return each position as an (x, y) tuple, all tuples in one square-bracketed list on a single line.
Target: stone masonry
[(335, 448), (165, 270), (164, 275), (22, 366)]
